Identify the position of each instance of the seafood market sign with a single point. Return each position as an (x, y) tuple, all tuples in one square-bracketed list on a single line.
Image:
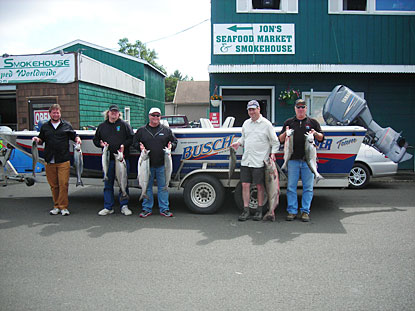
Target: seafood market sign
[(54, 68), (253, 39)]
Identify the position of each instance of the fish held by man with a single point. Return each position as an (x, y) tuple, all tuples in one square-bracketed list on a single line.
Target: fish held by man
[(272, 186), (35, 157), (143, 173), (121, 174), (78, 163), (232, 164), (288, 147), (105, 161), (311, 155), (168, 166)]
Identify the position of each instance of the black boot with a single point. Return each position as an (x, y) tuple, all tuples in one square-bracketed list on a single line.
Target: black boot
[(245, 214), (258, 213)]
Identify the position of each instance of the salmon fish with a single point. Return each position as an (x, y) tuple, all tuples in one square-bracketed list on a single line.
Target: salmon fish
[(311, 156), (232, 164), (288, 147), (78, 163), (121, 174), (35, 157), (143, 173), (272, 186), (168, 166), (105, 159)]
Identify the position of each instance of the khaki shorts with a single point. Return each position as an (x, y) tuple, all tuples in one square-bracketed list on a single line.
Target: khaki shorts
[(252, 175)]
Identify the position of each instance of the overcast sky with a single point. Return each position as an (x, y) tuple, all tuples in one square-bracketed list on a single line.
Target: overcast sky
[(36, 26)]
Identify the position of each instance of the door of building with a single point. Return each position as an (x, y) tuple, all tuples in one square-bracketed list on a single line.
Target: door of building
[(39, 110), (8, 112), (237, 109), (235, 100)]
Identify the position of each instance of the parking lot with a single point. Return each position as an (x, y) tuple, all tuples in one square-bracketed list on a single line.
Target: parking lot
[(357, 253)]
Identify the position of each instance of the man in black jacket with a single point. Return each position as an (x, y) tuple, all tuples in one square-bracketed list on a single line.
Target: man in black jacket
[(118, 134), (155, 137), (56, 134)]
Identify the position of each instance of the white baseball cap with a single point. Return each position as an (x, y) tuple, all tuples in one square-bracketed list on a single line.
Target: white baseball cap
[(154, 110)]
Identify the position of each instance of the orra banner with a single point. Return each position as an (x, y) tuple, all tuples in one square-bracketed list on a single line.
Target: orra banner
[(54, 68), (253, 39)]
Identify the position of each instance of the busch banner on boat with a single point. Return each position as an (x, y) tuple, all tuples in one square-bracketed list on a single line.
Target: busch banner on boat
[(253, 39), (53, 68)]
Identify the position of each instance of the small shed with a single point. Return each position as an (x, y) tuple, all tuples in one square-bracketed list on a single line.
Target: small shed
[(191, 99)]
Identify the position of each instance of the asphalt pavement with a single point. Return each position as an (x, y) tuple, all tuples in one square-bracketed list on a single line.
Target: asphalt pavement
[(357, 253)]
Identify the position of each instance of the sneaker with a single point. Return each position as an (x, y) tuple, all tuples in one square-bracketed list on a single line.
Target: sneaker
[(290, 217), (65, 212), (258, 214), (145, 214), (166, 213), (105, 212), (305, 217), (245, 214), (125, 210), (55, 211)]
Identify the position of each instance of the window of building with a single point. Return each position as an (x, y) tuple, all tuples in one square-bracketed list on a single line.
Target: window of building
[(398, 5), (266, 6), (354, 5), (390, 7), (127, 114)]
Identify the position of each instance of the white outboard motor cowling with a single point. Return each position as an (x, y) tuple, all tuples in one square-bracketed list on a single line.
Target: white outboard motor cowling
[(344, 107)]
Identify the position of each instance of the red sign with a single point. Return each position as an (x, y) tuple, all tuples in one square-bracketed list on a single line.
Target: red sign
[(40, 115), (214, 119)]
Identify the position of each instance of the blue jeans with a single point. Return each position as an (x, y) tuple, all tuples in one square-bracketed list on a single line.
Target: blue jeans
[(297, 169), (109, 187), (163, 194)]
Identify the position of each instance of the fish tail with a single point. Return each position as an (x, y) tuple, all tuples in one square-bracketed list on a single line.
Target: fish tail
[(143, 196), (318, 178)]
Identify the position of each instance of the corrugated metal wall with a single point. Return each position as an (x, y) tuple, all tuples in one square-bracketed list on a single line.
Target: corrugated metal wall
[(94, 100), (155, 89)]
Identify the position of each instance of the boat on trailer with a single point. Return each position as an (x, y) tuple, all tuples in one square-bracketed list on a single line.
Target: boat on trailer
[(201, 160)]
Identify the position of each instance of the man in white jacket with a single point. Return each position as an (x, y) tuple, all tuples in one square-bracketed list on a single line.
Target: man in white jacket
[(260, 142)]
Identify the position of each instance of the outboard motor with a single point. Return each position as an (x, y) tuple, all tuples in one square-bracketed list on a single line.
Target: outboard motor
[(344, 107)]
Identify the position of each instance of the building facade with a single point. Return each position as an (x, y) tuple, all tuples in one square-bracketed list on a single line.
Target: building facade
[(85, 79), (261, 48)]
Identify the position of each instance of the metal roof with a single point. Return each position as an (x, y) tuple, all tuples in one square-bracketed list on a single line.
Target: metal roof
[(311, 68), (97, 47)]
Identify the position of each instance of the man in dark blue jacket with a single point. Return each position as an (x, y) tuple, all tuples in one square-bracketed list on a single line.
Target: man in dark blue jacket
[(56, 134), (155, 137)]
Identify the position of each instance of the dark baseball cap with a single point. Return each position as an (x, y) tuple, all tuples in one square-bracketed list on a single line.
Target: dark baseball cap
[(300, 102), (114, 107)]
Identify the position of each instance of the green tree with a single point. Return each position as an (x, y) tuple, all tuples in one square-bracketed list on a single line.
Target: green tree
[(171, 84), (140, 50)]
